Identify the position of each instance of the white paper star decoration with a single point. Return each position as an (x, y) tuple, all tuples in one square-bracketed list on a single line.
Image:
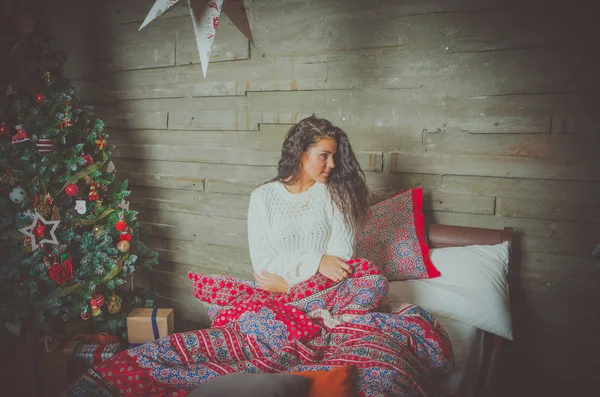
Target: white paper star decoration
[(27, 230), (205, 19)]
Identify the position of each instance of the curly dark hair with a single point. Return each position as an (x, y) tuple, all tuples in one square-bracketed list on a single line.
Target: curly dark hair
[(346, 182)]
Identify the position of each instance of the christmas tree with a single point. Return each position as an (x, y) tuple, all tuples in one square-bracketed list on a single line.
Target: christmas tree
[(68, 239)]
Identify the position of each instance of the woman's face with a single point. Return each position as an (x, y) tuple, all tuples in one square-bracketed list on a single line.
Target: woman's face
[(317, 161)]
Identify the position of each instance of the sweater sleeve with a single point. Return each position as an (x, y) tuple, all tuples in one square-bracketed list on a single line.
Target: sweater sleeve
[(294, 268), (341, 241)]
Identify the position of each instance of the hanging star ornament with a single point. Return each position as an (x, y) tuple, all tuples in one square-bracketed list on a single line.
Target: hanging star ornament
[(27, 231), (205, 19)]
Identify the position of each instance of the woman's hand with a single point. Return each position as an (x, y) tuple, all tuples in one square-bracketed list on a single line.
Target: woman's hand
[(334, 268), (271, 282)]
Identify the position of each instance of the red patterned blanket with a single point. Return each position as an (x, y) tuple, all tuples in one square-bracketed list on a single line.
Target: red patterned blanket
[(319, 325)]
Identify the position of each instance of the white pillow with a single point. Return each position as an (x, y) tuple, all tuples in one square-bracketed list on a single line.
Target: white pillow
[(473, 287)]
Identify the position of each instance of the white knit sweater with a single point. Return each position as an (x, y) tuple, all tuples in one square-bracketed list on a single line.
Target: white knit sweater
[(288, 233)]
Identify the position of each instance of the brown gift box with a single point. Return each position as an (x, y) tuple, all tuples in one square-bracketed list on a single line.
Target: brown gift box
[(139, 324)]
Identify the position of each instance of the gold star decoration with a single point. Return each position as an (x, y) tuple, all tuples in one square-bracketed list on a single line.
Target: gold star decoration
[(100, 143), (27, 231)]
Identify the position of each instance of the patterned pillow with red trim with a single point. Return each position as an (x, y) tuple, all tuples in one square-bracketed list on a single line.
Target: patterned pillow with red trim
[(393, 237)]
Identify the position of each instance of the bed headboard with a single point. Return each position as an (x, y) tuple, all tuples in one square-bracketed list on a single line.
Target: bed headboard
[(440, 236)]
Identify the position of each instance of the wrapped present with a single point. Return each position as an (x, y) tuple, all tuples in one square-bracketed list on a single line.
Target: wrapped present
[(103, 338), (93, 354), (146, 325)]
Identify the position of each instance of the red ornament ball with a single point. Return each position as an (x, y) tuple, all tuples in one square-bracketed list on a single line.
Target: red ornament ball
[(87, 160), (4, 130), (72, 189), (44, 145), (125, 237), (121, 225), (97, 301), (39, 98)]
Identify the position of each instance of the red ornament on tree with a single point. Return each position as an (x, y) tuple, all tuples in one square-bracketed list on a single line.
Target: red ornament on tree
[(125, 237), (39, 230), (72, 189), (62, 273), (121, 225), (39, 98), (97, 301), (44, 145), (87, 160), (20, 135)]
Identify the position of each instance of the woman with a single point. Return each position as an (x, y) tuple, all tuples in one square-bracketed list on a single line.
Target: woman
[(303, 221)]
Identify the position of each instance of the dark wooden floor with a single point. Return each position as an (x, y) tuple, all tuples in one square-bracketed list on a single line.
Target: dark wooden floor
[(522, 373)]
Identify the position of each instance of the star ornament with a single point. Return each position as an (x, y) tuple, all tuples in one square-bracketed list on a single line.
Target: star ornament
[(27, 231), (100, 143), (205, 19)]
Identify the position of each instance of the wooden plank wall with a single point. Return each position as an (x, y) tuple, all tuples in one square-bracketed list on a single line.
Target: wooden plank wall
[(490, 106)]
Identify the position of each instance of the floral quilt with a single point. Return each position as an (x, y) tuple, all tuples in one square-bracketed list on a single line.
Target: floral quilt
[(317, 326)]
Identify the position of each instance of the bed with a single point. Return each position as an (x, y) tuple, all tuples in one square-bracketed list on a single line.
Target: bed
[(475, 351), (251, 331)]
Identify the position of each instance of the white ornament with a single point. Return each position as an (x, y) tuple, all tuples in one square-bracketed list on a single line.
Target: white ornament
[(17, 195), (124, 205), (28, 229), (80, 207), (110, 167)]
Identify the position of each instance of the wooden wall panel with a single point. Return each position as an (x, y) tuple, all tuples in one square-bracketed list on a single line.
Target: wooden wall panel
[(203, 228), (221, 113), (191, 201), (163, 181), (547, 209), (344, 25), (177, 253), (222, 139), (539, 146), (376, 120), (459, 74), (369, 161), (495, 166)]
